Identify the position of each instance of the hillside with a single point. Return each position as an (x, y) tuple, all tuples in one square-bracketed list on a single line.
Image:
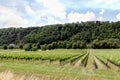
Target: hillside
[(93, 34)]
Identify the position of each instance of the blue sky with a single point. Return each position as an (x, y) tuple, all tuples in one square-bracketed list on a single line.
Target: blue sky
[(26, 13)]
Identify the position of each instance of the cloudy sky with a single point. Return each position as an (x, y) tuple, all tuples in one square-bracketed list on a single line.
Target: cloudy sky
[(17, 13)]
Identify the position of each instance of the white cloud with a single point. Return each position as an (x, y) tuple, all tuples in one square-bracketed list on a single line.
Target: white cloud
[(102, 12), (9, 17), (12, 21), (44, 12), (5, 10), (53, 7), (78, 17), (49, 12), (28, 10), (50, 20), (100, 18), (118, 16)]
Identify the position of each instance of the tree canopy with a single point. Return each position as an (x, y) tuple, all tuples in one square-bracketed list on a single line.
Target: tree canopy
[(96, 34)]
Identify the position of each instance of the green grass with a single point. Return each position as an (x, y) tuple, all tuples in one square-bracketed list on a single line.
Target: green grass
[(112, 54), (52, 70), (39, 55), (37, 68)]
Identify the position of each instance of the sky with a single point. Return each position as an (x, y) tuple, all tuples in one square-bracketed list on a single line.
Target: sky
[(27, 13)]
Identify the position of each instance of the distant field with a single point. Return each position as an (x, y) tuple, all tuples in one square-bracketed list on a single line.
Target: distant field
[(87, 64)]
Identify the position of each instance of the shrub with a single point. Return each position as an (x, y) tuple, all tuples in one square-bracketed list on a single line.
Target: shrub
[(49, 46), (68, 45), (21, 46), (28, 47), (34, 49), (11, 47), (5, 47), (74, 46), (38, 45), (44, 47)]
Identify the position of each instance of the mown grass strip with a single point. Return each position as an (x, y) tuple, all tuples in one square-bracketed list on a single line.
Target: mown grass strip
[(73, 60), (84, 60), (113, 65), (66, 60), (100, 63)]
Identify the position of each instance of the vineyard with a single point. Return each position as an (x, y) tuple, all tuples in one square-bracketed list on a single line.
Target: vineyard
[(88, 59)]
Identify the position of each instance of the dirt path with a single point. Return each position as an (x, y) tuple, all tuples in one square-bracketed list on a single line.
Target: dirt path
[(100, 64), (84, 60), (90, 62), (113, 66), (77, 64), (64, 63)]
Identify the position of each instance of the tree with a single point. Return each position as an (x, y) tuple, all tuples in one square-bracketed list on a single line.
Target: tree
[(62, 35), (74, 46), (68, 45), (107, 43), (38, 45), (81, 44)]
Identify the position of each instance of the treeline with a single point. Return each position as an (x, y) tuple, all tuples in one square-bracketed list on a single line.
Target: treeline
[(91, 34), (54, 45)]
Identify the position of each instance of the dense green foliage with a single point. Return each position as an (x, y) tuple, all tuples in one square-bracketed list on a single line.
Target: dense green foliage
[(5, 47), (93, 34)]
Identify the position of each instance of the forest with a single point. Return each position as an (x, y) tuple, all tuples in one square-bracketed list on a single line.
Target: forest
[(90, 34)]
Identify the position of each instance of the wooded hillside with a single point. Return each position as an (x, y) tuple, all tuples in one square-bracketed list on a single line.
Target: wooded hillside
[(92, 34)]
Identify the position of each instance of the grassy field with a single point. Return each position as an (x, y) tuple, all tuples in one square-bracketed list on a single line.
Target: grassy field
[(62, 64)]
